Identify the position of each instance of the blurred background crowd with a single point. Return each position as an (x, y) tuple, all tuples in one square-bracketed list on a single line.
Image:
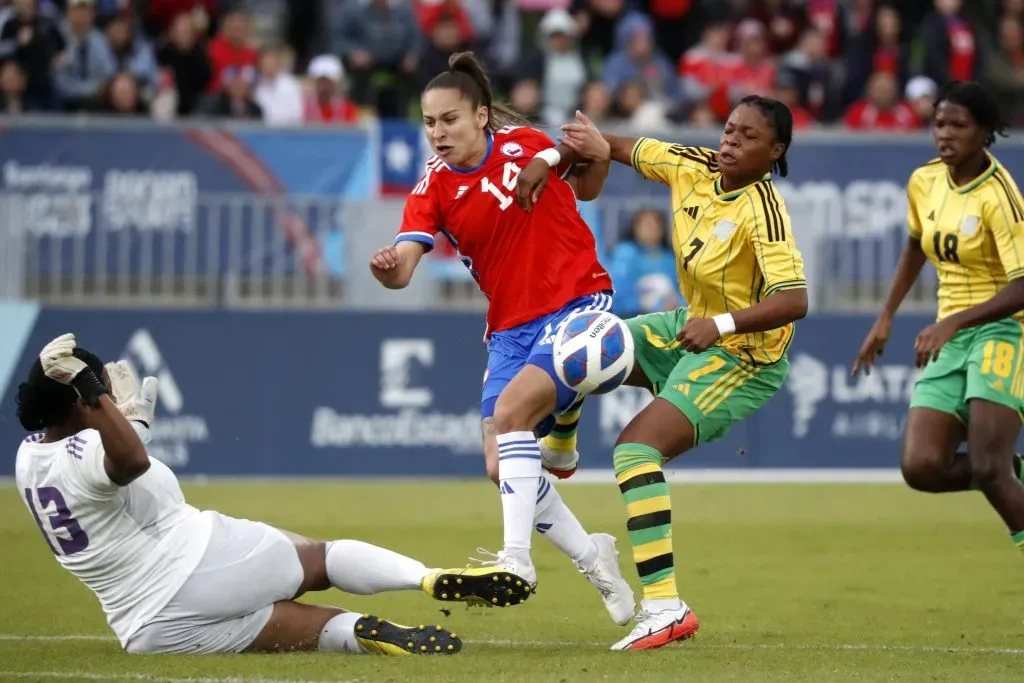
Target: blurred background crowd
[(860, 64)]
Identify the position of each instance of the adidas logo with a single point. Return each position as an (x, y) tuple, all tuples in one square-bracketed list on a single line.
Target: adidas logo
[(461, 191), (691, 211), (931, 216), (143, 353), (505, 488), (543, 527)]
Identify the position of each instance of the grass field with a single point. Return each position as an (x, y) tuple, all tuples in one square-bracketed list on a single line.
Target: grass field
[(791, 583)]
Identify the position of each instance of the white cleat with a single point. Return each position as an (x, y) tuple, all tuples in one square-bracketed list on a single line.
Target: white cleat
[(514, 563), (607, 578), (659, 623), (561, 464)]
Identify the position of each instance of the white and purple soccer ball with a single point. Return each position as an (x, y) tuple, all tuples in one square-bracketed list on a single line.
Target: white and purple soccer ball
[(593, 352)]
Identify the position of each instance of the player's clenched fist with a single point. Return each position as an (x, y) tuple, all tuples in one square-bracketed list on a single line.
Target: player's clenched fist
[(385, 259)]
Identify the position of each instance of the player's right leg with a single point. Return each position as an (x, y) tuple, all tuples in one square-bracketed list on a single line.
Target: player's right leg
[(936, 424), (295, 626)]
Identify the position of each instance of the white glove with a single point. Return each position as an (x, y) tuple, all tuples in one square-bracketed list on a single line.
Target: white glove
[(58, 362), (60, 365), (137, 404)]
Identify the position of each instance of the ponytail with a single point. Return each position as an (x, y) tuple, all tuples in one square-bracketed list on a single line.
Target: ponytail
[(467, 75)]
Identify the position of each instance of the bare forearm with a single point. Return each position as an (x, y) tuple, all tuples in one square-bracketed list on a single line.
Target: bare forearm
[(125, 453), (621, 150), (590, 179), (909, 267), (773, 312), (1005, 303)]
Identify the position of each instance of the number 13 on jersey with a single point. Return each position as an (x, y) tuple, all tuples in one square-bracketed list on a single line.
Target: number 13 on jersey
[(509, 175)]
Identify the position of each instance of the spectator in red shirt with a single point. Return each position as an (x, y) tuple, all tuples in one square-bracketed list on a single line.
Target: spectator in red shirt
[(949, 45), (326, 104), (881, 109), (706, 67), (755, 73), (231, 48), (878, 50)]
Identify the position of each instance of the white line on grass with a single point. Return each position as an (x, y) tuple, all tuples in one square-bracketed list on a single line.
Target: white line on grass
[(87, 676), (871, 647), (879, 647), (738, 475)]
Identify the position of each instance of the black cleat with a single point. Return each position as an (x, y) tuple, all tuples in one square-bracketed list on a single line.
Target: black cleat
[(477, 585), (381, 637)]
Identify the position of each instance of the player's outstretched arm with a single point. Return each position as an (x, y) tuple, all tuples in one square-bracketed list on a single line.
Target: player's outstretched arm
[(911, 262), (394, 265)]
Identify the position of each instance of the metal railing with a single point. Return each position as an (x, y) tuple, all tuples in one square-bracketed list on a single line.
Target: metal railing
[(180, 248), (188, 249)]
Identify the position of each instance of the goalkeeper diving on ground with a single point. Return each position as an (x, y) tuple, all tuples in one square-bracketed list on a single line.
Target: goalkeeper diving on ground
[(175, 579)]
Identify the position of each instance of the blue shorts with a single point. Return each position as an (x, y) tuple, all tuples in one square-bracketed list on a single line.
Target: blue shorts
[(509, 351)]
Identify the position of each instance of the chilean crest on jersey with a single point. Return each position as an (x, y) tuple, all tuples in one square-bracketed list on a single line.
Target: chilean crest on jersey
[(512, 149)]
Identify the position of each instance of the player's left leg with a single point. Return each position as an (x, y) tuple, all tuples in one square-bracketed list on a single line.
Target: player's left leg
[(699, 401), (995, 397)]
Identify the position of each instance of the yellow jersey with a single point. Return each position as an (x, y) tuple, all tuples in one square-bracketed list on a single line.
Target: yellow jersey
[(732, 248), (973, 234)]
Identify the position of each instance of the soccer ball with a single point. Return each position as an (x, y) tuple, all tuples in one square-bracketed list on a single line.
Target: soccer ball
[(593, 352)]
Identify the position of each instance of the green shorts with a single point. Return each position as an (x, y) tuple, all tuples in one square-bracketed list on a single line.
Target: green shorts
[(714, 389), (979, 362)]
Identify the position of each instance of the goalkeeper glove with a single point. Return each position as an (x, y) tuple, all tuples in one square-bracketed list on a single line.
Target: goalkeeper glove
[(60, 364), (136, 403)]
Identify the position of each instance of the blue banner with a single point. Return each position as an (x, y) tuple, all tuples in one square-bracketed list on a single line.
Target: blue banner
[(181, 201), (375, 394)]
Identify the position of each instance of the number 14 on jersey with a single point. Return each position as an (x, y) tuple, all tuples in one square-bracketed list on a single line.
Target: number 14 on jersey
[(509, 175)]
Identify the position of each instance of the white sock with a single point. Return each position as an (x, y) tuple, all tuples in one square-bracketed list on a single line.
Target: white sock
[(339, 635), (519, 470), (364, 569), (556, 522)]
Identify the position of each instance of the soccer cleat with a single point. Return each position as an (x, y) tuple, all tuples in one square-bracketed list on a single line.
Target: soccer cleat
[(381, 637), (655, 629), (560, 463), (516, 564), (494, 586), (607, 578)]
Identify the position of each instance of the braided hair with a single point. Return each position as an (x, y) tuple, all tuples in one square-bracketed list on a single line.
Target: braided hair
[(781, 118), (979, 102)]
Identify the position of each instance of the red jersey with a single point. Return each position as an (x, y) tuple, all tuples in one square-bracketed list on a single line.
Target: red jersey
[(962, 49), (862, 115), (223, 56), (526, 264)]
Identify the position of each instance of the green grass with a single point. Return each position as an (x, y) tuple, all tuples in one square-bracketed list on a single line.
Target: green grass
[(791, 583)]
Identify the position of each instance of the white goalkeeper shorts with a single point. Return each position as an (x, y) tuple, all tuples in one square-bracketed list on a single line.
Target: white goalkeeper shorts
[(228, 599)]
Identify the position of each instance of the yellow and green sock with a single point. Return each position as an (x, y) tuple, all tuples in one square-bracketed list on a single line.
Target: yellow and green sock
[(642, 483), (563, 435)]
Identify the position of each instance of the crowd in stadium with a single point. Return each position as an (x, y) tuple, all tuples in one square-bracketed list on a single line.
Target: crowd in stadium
[(861, 64)]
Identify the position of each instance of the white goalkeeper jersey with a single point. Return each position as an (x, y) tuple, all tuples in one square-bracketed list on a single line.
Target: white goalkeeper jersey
[(133, 546)]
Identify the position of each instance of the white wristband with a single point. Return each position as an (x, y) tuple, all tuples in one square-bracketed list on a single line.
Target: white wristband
[(725, 323), (551, 156)]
